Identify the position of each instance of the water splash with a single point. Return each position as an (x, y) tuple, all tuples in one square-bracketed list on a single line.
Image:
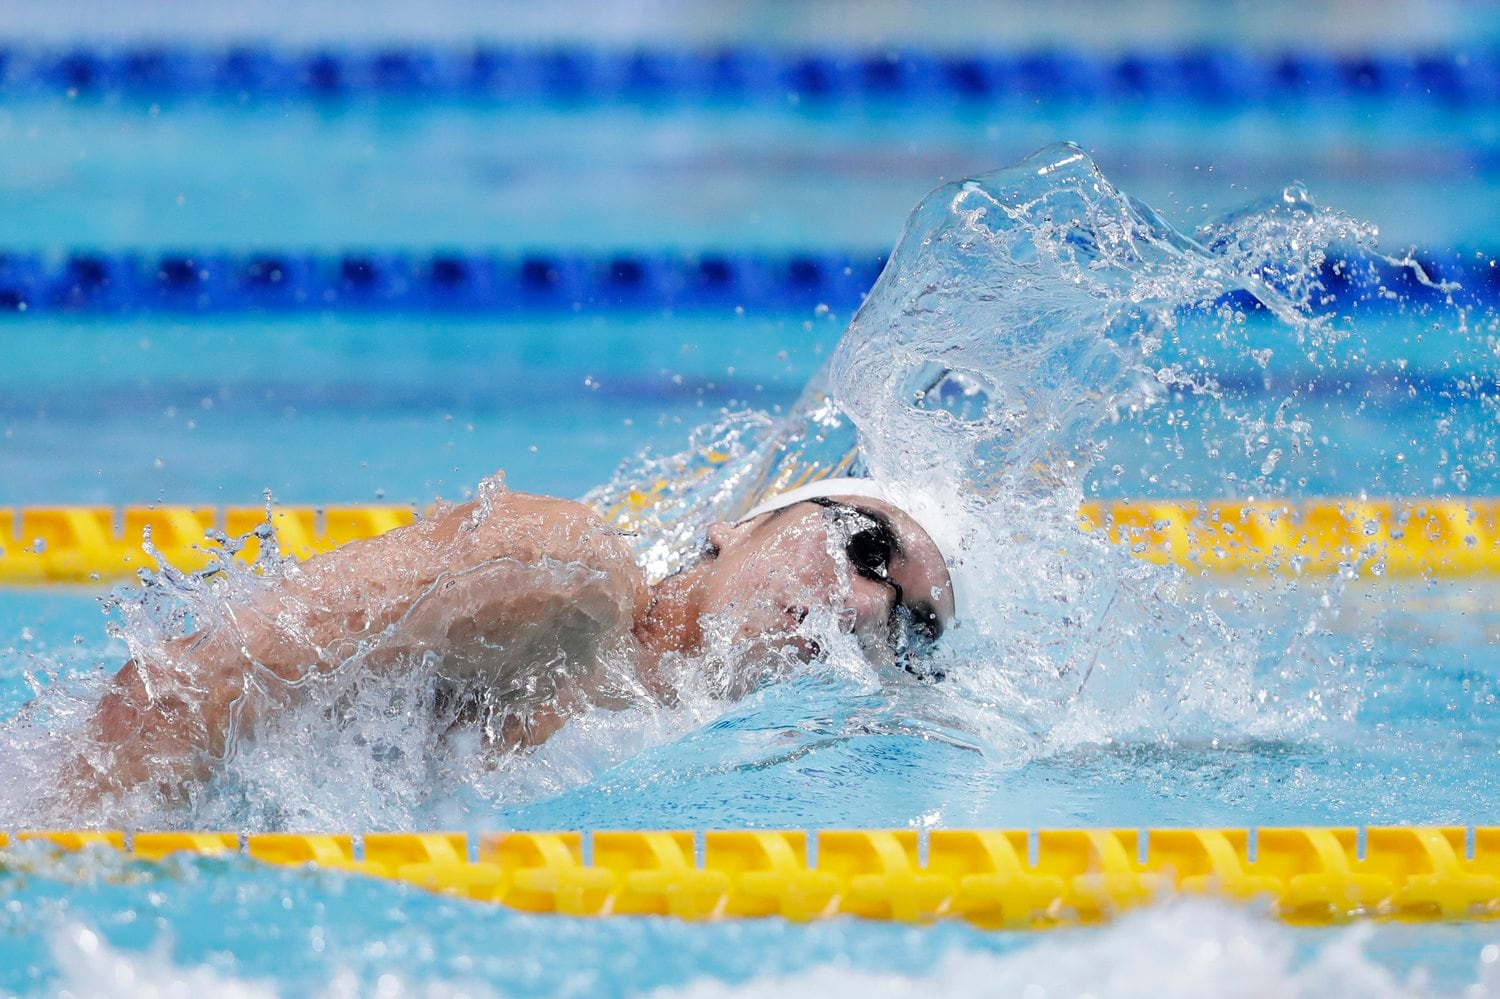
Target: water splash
[(370, 730), (1022, 314), (1028, 321), (1024, 309)]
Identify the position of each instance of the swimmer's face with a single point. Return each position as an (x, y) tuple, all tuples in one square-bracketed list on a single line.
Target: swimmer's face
[(862, 559)]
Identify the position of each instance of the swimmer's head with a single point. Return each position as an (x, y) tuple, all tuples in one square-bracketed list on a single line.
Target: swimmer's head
[(839, 545)]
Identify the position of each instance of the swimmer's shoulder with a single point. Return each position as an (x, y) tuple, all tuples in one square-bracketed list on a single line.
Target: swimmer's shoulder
[(568, 531), (567, 522)]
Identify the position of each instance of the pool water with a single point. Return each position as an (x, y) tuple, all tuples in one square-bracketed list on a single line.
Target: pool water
[(359, 408), (1423, 747), (193, 174), (364, 408), (1404, 730), (1380, 706), (306, 934)]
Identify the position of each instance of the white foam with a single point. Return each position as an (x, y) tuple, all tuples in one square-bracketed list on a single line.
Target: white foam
[(1186, 949), (93, 969)]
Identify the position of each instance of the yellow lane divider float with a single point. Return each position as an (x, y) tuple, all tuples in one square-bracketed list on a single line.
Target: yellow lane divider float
[(1406, 537), (1390, 537), (76, 544), (994, 879)]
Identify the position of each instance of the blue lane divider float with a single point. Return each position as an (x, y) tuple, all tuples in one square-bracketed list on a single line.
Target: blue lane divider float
[(1214, 75), (494, 281), (210, 281)]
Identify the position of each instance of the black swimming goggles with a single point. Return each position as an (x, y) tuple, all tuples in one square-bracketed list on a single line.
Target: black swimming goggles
[(870, 544)]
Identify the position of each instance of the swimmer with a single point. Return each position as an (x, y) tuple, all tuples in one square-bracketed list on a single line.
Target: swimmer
[(528, 596)]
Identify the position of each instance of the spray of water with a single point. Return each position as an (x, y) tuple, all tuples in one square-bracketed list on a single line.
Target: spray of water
[(1022, 312), (1024, 317)]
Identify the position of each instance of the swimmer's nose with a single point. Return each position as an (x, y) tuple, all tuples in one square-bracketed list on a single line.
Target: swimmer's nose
[(867, 608)]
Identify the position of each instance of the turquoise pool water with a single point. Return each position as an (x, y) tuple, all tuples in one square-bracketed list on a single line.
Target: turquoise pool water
[(191, 174), (366, 408), (304, 934), (360, 408), (1387, 714), (1381, 707), (1424, 746)]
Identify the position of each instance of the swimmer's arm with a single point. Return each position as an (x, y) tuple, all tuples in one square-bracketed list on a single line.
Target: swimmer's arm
[(410, 591), (433, 587)]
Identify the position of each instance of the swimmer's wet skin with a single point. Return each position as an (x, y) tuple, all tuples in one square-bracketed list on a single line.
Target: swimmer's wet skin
[(511, 584)]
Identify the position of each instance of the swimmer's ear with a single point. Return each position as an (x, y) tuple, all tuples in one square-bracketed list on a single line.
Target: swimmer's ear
[(721, 535)]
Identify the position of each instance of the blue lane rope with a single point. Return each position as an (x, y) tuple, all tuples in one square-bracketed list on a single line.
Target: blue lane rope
[(397, 281), (493, 281), (1213, 75)]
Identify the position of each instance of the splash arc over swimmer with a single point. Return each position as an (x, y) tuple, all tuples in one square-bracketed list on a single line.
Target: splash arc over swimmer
[(1021, 312)]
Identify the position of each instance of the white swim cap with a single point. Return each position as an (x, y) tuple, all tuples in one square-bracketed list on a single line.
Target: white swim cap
[(813, 490), (923, 513)]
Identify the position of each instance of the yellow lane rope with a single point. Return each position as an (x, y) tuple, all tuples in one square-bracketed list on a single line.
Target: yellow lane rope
[(1406, 537), (1391, 537), (995, 879), (75, 544)]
